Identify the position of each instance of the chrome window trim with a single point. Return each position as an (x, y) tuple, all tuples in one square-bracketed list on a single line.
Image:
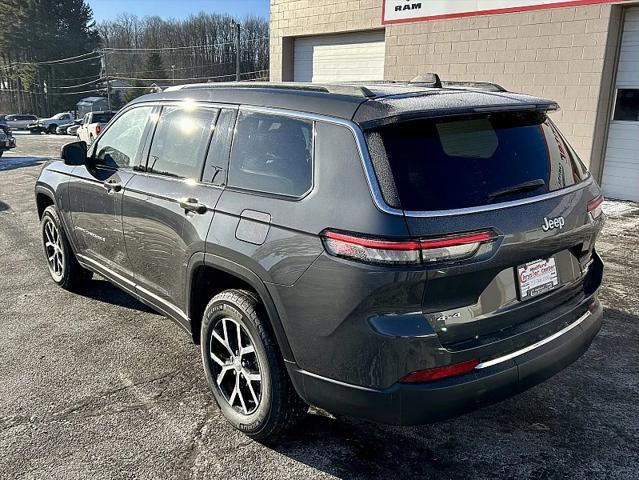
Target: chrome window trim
[(275, 112), (534, 346), (367, 164), (371, 177)]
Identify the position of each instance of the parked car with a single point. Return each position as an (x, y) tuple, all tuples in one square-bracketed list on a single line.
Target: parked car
[(402, 253), (73, 129), (92, 123), (7, 141), (63, 129), (50, 125), (20, 121)]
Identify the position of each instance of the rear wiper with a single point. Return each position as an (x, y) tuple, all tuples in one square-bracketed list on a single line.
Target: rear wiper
[(520, 188)]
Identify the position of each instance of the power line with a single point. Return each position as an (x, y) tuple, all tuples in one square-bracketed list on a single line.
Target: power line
[(81, 84), (183, 47), (52, 63)]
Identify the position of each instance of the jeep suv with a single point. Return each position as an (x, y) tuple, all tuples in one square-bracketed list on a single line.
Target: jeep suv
[(398, 252)]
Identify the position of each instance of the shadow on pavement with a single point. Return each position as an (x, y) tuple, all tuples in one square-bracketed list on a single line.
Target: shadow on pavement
[(4, 206), (350, 448), (12, 163), (103, 291)]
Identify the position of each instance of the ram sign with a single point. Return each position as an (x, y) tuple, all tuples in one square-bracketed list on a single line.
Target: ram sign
[(398, 11)]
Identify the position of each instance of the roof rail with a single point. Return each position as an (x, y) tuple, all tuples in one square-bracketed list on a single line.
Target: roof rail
[(487, 86), (339, 89)]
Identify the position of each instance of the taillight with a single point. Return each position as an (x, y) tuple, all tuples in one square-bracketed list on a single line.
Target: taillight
[(97, 129), (438, 373), (410, 252), (594, 206), (454, 248), (371, 251)]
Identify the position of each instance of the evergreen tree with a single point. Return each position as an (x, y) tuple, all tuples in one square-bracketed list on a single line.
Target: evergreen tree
[(36, 31), (155, 67)]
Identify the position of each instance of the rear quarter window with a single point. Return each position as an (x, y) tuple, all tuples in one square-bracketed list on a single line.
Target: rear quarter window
[(443, 164), (272, 154)]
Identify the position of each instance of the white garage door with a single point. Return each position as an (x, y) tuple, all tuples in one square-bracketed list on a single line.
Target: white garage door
[(334, 58), (621, 167)]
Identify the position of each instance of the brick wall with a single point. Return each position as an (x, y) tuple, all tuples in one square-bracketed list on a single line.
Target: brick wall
[(556, 53)]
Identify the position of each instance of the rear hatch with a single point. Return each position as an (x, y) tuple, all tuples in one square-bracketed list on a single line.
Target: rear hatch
[(512, 175)]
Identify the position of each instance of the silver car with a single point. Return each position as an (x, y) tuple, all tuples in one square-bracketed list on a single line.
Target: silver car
[(20, 121)]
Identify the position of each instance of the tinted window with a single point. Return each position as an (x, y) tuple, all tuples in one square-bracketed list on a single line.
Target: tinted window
[(272, 154), (102, 117), (627, 105), (217, 160), (119, 145), (466, 162), (180, 141)]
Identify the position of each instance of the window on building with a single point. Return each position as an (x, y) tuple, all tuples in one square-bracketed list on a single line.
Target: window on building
[(272, 154), (627, 105)]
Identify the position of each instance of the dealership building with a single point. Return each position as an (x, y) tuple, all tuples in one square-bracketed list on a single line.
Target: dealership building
[(582, 53)]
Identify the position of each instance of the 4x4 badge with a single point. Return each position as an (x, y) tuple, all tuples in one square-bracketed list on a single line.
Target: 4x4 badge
[(557, 222)]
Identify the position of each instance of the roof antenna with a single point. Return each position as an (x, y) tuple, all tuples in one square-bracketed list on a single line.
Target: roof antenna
[(428, 79)]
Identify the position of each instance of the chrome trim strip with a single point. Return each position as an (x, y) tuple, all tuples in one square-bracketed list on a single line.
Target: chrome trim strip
[(102, 270), (367, 163), (357, 132), (373, 184), (500, 206), (510, 356)]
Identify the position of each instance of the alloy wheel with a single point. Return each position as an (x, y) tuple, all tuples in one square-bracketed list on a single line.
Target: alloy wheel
[(236, 367), (53, 249)]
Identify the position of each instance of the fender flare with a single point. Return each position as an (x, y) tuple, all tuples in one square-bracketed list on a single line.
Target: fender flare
[(252, 279)]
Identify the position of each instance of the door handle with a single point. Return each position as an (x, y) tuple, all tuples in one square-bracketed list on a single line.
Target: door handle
[(112, 186), (193, 205)]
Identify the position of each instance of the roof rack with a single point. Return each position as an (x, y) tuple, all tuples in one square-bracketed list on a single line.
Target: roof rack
[(486, 86), (337, 88), (353, 89), (433, 80)]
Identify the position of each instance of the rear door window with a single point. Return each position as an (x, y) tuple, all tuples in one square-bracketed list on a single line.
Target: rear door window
[(444, 164), (181, 140), (272, 154)]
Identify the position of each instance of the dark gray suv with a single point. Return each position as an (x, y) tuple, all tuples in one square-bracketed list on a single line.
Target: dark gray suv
[(398, 252)]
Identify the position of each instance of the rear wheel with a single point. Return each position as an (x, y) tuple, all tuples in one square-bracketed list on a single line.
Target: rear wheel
[(244, 367), (63, 266)]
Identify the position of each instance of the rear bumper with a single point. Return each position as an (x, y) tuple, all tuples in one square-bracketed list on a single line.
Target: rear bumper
[(403, 404)]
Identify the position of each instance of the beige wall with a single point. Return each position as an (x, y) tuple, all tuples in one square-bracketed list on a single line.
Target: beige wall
[(557, 53)]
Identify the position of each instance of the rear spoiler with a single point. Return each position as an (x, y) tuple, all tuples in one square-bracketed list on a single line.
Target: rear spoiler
[(544, 106)]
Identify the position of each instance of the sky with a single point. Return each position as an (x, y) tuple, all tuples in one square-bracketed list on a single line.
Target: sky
[(109, 9)]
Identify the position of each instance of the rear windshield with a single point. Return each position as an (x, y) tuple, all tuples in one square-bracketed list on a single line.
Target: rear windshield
[(461, 162), (102, 117)]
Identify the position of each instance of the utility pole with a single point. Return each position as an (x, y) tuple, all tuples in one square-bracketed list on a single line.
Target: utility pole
[(106, 74), (237, 50)]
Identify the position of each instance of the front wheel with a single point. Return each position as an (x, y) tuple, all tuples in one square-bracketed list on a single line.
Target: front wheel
[(63, 266), (244, 367), (51, 129)]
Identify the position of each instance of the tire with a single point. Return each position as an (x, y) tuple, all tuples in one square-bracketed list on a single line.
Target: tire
[(278, 407), (51, 129), (61, 262), (1, 152)]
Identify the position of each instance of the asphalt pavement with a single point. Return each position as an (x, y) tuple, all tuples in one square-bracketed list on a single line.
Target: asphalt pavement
[(98, 386)]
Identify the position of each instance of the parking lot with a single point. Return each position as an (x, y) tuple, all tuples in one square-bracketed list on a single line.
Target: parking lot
[(98, 386)]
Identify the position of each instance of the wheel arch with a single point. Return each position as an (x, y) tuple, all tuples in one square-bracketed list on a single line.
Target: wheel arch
[(209, 274), (44, 199)]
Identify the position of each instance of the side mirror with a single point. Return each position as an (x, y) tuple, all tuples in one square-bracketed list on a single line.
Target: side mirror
[(74, 153)]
